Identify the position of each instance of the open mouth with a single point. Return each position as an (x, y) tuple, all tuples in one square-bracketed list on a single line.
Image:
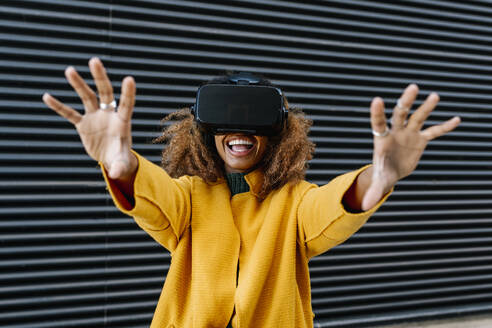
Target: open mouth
[(240, 145)]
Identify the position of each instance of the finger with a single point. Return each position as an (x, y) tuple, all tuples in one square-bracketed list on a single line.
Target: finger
[(103, 84), (438, 130), (86, 94), (61, 109), (378, 120), (403, 106), (127, 99), (418, 118)]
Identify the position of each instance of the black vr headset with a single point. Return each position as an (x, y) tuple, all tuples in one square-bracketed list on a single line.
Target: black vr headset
[(242, 106)]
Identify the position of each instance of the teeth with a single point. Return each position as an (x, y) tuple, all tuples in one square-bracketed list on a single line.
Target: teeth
[(239, 142)]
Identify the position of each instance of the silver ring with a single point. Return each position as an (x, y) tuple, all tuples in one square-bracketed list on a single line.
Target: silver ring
[(400, 107), (111, 106), (381, 134)]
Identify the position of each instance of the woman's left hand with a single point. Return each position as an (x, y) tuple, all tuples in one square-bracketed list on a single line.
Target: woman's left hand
[(397, 150)]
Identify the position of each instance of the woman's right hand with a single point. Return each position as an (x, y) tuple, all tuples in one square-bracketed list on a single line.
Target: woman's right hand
[(105, 133)]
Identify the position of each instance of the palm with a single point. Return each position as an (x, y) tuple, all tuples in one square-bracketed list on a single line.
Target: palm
[(401, 151), (105, 136)]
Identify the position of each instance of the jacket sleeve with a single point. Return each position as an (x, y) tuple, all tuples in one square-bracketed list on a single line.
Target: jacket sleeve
[(162, 204), (323, 220)]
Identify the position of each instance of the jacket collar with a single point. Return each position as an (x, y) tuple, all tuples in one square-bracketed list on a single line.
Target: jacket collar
[(255, 181)]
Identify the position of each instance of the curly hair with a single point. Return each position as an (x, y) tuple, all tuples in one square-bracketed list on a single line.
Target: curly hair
[(190, 151)]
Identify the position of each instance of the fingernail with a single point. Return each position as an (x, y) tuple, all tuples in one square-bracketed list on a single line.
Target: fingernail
[(68, 69), (434, 94)]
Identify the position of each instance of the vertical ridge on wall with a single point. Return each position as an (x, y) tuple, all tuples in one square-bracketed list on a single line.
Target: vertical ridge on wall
[(70, 259)]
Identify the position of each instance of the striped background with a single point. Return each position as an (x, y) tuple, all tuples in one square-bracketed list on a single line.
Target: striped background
[(68, 258)]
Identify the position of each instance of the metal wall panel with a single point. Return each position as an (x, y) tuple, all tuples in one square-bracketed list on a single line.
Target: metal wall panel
[(70, 259)]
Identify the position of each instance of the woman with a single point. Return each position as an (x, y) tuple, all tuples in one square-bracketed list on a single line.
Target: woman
[(238, 219)]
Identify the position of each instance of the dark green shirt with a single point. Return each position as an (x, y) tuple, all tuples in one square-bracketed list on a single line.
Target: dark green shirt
[(237, 183)]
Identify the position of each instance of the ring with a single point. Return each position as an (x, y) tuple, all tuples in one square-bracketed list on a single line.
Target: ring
[(381, 134), (111, 106), (400, 107)]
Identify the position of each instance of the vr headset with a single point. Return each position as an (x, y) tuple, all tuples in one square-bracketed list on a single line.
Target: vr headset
[(242, 106)]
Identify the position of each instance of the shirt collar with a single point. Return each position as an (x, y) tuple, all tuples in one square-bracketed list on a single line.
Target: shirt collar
[(254, 179)]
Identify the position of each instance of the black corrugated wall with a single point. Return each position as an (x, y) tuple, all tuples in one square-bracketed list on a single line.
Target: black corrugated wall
[(70, 259)]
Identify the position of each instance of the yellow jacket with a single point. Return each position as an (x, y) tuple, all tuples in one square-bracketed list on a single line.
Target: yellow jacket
[(209, 235)]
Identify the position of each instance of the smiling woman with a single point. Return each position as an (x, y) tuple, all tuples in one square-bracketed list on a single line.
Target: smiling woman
[(231, 203), (192, 150)]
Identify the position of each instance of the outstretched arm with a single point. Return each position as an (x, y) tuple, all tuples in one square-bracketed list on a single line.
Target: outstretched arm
[(164, 212), (398, 150)]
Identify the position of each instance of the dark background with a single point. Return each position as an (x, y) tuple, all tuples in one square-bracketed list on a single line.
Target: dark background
[(68, 258)]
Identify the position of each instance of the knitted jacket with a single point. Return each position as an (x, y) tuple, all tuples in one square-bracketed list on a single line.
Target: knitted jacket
[(211, 235)]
